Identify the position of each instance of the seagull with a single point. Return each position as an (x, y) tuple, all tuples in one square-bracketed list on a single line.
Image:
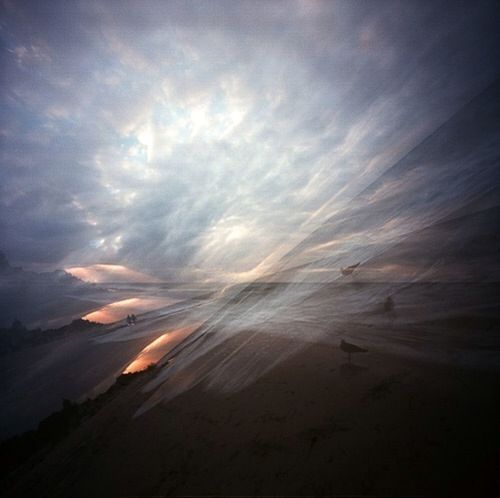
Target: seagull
[(349, 269), (351, 348)]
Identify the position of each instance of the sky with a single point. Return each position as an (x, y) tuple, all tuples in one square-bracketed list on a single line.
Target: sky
[(204, 140)]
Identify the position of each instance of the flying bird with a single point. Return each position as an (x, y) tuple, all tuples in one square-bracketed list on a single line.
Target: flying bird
[(351, 348), (349, 269)]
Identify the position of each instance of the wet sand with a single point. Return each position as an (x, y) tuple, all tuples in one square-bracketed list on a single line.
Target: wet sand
[(313, 425)]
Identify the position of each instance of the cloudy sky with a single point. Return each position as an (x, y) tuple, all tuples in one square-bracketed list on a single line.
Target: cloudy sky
[(195, 140)]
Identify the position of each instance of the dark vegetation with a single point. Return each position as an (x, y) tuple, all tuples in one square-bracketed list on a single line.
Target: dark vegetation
[(19, 337), (17, 450)]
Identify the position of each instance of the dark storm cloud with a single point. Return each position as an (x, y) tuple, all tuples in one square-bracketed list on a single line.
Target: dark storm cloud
[(176, 136)]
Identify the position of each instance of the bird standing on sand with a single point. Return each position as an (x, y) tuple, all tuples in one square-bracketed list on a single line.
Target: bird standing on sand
[(351, 348)]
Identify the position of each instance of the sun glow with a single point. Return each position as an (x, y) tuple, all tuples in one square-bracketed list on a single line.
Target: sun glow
[(120, 309), (146, 138), (109, 273), (155, 350)]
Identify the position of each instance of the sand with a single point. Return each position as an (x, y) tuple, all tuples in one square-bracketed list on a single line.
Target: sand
[(314, 425)]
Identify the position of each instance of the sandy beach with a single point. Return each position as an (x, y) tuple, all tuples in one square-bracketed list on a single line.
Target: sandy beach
[(313, 425)]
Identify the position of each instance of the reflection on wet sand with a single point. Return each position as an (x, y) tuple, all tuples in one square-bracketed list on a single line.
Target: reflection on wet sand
[(120, 309), (154, 351)]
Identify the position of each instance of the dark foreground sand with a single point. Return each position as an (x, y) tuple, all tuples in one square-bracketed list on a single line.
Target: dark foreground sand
[(314, 425)]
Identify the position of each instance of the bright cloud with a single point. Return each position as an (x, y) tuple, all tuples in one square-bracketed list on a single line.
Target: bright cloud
[(199, 140)]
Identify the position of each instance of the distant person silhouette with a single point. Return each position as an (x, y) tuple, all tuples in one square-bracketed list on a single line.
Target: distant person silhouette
[(129, 320), (133, 319)]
